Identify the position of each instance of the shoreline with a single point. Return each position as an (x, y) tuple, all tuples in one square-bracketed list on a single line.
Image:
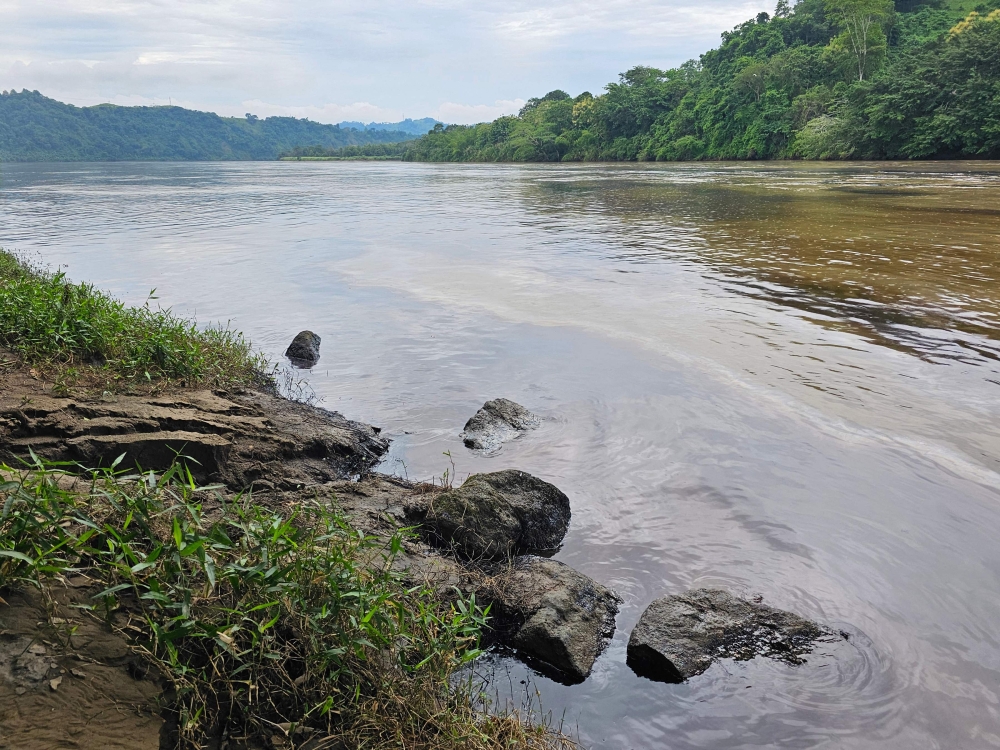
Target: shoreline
[(289, 454), (225, 560)]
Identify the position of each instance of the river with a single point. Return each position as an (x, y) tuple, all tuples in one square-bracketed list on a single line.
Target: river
[(782, 379)]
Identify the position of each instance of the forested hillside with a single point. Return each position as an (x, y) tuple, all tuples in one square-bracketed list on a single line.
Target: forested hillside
[(36, 128), (827, 79)]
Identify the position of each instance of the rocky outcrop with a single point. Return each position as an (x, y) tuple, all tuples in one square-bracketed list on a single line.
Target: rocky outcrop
[(680, 636), (497, 422), (493, 516), (304, 349), (245, 439), (564, 619), (290, 453)]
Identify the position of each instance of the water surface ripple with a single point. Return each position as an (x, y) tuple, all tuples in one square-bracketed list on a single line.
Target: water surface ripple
[(781, 379)]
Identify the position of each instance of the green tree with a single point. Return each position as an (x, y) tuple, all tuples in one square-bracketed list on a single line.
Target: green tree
[(862, 34)]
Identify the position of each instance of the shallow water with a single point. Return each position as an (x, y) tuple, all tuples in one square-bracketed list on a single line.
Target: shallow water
[(781, 379)]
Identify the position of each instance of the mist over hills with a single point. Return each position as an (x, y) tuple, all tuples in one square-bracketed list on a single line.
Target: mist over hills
[(34, 127)]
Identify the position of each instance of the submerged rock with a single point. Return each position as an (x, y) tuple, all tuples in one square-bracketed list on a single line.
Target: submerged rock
[(680, 636), (492, 516), (304, 349), (497, 422), (567, 618)]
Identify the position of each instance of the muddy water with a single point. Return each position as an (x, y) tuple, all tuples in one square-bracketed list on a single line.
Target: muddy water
[(779, 379)]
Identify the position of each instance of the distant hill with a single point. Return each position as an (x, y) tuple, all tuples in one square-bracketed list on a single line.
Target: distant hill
[(36, 128), (413, 127)]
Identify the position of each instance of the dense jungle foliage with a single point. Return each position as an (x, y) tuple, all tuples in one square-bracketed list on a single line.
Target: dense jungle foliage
[(827, 79), (36, 128), (365, 151)]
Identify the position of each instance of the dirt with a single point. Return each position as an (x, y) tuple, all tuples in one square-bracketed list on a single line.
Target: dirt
[(72, 684)]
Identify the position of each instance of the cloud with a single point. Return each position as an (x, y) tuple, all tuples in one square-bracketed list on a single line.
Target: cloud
[(373, 60)]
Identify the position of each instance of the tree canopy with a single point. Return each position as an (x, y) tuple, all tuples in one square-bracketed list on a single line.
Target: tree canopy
[(825, 79)]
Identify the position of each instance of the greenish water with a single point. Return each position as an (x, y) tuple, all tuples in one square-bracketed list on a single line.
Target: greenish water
[(782, 379)]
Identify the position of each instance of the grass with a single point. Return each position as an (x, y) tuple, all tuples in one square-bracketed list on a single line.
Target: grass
[(265, 623), (75, 332)]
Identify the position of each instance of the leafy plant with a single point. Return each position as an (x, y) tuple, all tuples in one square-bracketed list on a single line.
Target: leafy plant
[(50, 321), (262, 620)]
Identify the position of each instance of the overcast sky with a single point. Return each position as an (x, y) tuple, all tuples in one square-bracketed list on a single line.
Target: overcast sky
[(456, 60)]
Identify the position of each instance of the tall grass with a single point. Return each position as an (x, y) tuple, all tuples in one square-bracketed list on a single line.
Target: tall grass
[(54, 323), (266, 623)]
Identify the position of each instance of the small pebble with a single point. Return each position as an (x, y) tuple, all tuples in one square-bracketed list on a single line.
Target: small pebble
[(54, 684)]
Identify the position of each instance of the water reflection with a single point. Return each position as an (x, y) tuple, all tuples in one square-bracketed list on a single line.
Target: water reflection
[(902, 258)]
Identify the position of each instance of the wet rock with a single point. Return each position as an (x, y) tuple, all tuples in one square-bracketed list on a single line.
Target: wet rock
[(492, 516), (566, 617), (680, 636), (304, 349), (497, 422)]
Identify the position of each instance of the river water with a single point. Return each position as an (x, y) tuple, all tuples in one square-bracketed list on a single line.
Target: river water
[(779, 379)]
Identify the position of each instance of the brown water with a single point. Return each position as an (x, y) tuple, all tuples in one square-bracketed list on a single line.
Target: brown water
[(780, 379)]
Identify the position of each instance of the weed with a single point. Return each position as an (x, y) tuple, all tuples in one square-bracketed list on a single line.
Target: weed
[(60, 326), (264, 622)]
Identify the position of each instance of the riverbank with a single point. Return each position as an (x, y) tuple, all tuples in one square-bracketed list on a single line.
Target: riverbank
[(340, 158), (254, 585)]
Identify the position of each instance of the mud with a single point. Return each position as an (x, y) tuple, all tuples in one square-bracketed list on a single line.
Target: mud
[(70, 682)]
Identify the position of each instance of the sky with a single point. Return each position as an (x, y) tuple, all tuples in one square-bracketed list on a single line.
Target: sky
[(335, 60)]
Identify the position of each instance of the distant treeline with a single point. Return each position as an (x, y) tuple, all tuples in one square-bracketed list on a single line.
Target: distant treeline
[(827, 79), (36, 128), (365, 151)]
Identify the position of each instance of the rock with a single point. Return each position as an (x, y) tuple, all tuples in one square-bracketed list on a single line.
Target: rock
[(567, 618), (304, 349), (680, 636), (492, 516), (54, 684), (154, 449), (236, 438), (497, 422)]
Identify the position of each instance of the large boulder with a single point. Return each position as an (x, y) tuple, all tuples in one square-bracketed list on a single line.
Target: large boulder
[(564, 619), (680, 636), (497, 422), (493, 516), (304, 349)]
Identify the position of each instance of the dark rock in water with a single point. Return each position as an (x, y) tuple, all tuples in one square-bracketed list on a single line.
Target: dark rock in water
[(495, 515), (304, 349), (498, 421), (680, 636), (568, 618)]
